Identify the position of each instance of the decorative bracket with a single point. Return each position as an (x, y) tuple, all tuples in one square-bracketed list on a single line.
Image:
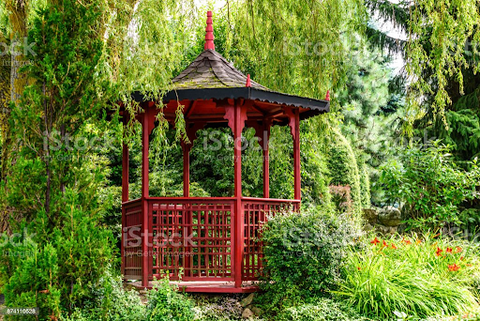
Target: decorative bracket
[(291, 120), (230, 116)]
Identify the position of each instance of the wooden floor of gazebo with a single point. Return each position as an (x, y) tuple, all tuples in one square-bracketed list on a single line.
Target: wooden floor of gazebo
[(206, 286)]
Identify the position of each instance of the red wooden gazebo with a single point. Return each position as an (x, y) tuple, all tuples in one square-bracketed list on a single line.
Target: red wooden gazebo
[(210, 243)]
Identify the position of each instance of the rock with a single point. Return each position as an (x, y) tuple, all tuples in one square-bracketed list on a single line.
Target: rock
[(248, 300), (257, 311), (390, 216), (247, 313), (393, 229), (370, 215), (367, 227)]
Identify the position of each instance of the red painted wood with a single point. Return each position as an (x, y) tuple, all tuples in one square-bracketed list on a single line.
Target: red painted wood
[(125, 177), (296, 157), (249, 82), (266, 160), (186, 169), (256, 212), (209, 44), (238, 226), (187, 262), (194, 235), (145, 191), (132, 228)]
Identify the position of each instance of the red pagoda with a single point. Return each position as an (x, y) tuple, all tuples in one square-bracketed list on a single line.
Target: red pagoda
[(210, 243)]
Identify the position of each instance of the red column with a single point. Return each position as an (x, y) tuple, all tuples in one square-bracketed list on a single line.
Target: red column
[(186, 169), (145, 165), (238, 230), (296, 155), (125, 176), (266, 160), (187, 210)]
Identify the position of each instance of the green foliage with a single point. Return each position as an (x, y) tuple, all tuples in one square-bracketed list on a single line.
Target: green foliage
[(109, 300), (440, 33), (165, 304), (418, 277), (322, 310), (343, 167), (54, 267), (463, 132), (368, 108), (432, 187), (221, 308), (303, 255)]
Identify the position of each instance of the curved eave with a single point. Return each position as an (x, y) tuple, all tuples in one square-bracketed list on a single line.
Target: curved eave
[(316, 106)]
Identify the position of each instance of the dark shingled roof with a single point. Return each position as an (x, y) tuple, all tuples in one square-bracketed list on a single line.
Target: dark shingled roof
[(211, 70), (211, 77)]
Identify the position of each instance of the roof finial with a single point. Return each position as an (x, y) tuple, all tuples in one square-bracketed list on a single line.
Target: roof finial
[(327, 97), (209, 33), (249, 83)]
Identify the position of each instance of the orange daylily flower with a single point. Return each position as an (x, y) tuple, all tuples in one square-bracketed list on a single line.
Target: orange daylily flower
[(449, 250), (453, 267), (458, 249), (375, 241), (439, 251), (394, 247)]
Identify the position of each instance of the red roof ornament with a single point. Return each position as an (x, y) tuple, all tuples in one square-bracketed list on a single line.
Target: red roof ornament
[(209, 45), (249, 82), (327, 97)]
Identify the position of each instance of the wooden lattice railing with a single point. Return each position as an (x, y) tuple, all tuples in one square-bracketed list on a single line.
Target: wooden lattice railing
[(255, 213), (192, 238)]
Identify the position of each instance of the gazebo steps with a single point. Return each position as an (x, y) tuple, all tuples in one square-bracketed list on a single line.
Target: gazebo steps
[(206, 286)]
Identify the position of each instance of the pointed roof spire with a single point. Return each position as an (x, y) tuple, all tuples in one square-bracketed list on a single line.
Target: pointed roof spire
[(209, 45), (327, 97), (249, 82)]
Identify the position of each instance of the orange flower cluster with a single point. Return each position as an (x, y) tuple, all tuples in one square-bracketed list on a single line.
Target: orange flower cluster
[(438, 252)]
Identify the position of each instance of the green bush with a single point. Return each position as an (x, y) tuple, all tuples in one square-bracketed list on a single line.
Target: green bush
[(322, 310), (303, 255), (432, 187), (166, 304), (52, 267), (109, 301), (420, 278), (343, 167)]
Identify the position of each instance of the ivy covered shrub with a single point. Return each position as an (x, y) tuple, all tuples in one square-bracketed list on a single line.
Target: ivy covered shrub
[(303, 255), (322, 310)]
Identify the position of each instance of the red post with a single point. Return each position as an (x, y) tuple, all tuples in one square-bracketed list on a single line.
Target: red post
[(296, 155), (266, 160), (125, 176), (238, 225), (187, 211), (186, 169), (145, 185)]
